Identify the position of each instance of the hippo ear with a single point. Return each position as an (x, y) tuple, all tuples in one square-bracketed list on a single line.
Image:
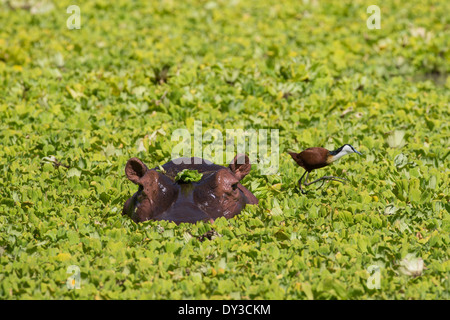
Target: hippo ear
[(135, 170), (240, 166)]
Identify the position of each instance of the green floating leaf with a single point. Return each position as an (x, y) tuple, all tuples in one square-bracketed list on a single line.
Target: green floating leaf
[(401, 160), (188, 176), (187, 237), (411, 266), (73, 172), (390, 209), (306, 286), (396, 139)]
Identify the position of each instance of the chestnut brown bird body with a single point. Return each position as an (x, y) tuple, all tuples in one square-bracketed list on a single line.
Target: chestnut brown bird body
[(312, 158), (316, 158)]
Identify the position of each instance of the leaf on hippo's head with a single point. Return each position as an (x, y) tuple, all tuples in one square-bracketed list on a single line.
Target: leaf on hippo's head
[(161, 169), (188, 176)]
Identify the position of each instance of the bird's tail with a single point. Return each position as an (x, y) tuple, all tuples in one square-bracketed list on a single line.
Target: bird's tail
[(296, 158)]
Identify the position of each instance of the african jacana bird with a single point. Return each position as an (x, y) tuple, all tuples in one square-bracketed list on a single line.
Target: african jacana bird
[(315, 158)]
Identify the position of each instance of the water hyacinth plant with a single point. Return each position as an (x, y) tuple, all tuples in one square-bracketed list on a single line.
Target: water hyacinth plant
[(76, 104), (187, 175)]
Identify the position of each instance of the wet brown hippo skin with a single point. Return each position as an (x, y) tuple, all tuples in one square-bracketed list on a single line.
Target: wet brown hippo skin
[(219, 192)]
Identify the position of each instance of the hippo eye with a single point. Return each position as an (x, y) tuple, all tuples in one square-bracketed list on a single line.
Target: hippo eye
[(234, 186)]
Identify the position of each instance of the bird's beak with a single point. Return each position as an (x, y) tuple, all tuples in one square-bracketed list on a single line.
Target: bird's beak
[(359, 153)]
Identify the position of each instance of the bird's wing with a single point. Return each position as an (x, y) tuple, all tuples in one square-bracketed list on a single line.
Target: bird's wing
[(315, 157)]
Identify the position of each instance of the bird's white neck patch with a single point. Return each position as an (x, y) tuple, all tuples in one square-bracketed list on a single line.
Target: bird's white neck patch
[(345, 150)]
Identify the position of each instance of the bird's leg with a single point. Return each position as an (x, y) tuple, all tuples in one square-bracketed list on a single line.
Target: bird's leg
[(323, 181), (342, 180), (332, 178), (306, 179), (300, 182)]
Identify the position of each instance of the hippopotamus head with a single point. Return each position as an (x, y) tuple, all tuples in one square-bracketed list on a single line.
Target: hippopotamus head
[(160, 197)]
